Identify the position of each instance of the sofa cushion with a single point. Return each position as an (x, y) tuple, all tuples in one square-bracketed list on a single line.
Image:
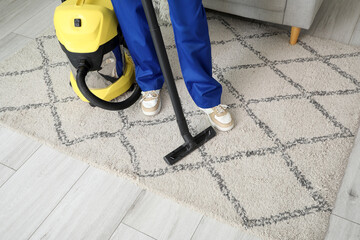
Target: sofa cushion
[(273, 5)]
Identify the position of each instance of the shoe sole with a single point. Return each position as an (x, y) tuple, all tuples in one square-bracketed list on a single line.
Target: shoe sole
[(218, 127), (152, 113)]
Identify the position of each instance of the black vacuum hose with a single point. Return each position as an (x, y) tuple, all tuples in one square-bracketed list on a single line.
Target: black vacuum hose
[(98, 102)]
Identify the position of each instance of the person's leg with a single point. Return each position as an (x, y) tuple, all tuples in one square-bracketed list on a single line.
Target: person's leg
[(193, 45), (134, 26), (119, 63)]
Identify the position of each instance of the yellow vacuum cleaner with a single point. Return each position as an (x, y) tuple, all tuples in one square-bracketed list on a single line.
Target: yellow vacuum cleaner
[(88, 31)]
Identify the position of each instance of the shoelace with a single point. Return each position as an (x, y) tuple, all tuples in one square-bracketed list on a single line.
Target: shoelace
[(221, 108), (148, 94)]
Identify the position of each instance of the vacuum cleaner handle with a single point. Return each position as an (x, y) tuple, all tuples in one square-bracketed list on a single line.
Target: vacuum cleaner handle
[(166, 68), (191, 143), (93, 99)]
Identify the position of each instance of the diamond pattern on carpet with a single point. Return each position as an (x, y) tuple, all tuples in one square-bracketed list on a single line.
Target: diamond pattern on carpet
[(276, 174)]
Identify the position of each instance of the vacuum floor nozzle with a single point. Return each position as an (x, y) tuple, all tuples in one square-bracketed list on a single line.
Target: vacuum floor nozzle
[(189, 147)]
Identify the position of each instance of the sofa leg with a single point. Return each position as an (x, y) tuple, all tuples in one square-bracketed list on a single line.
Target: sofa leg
[(295, 32)]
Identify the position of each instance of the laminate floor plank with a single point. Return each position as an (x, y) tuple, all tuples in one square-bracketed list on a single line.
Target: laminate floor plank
[(29, 196), (5, 174), (347, 203), (13, 13), (124, 232), (212, 229), (342, 229), (40, 22), (15, 148), (162, 218), (355, 38), (92, 209), (336, 20)]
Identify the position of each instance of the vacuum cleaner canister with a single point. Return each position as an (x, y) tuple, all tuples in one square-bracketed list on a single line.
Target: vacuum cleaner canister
[(88, 32)]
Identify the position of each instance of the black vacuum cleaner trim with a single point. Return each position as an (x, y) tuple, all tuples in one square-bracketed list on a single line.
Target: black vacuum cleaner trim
[(98, 102)]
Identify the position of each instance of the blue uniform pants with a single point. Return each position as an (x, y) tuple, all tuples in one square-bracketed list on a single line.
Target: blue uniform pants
[(193, 45)]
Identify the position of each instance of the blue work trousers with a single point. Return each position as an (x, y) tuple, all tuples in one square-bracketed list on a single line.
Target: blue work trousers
[(193, 45)]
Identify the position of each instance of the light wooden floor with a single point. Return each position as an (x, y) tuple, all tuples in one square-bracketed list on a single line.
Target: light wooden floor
[(338, 20), (66, 199)]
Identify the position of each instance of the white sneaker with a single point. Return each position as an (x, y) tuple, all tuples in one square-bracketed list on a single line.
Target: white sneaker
[(220, 117), (150, 102)]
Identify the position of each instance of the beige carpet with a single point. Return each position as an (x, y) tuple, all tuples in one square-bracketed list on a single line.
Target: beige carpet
[(275, 175)]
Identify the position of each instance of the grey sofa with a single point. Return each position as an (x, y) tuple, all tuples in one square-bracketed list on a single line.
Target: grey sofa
[(295, 13)]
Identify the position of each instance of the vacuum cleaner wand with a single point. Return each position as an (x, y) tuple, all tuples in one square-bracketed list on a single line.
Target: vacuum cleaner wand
[(191, 143)]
